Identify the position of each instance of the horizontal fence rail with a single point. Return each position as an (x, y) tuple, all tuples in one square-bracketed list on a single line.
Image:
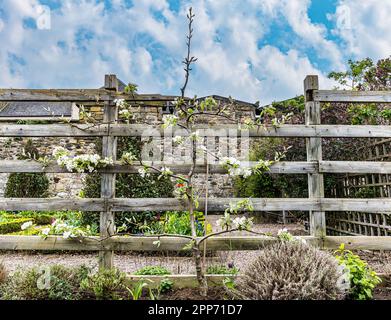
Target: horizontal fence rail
[(214, 204), (137, 243), (352, 96), (125, 130), (287, 167)]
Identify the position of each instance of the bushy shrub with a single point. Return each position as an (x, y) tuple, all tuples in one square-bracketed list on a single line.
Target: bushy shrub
[(362, 278), (27, 185), (64, 284), (3, 273), (129, 186), (291, 271), (153, 270), (178, 222), (105, 284), (13, 225)]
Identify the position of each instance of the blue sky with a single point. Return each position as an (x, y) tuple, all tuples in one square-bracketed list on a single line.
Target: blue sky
[(250, 49)]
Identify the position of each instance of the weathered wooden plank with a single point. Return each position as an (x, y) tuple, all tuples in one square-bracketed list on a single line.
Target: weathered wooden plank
[(53, 130), (109, 149), (74, 95), (358, 242), (34, 166), (324, 131), (354, 167), (214, 204), (136, 243), (352, 96), (53, 204), (283, 167), (90, 130), (139, 243), (314, 153)]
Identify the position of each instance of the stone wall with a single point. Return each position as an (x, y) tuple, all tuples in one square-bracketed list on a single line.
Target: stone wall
[(66, 185)]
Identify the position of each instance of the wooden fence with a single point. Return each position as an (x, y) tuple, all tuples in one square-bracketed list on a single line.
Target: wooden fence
[(317, 205)]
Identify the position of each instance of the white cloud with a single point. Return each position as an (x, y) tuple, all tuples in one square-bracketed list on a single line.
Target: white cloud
[(145, 43), (365, 28)]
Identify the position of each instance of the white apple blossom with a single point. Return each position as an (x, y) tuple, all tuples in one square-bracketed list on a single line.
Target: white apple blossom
[(45, 231), (121, 103), (143, 172)]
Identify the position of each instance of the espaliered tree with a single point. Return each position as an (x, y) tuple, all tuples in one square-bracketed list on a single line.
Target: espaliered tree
[(185, 116)]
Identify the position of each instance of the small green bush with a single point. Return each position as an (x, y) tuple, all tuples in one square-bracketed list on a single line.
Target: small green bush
[(152, 270), (178, 222), (13, 225), (27, 185), (107, 284), (362, 278), (64, 284), (221, 269)]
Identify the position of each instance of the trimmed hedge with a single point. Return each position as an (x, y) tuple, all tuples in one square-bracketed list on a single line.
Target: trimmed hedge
[(38, 218), (13, 225)]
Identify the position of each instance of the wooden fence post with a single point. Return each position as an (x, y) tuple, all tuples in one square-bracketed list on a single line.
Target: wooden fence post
[(109, 149), (314, 153)]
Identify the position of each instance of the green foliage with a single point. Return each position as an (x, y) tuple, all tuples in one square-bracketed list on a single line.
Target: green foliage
[(270, 185), (136, 291), (221, 269), (13, 225), (362, 278), (3, 273), (39, 218), (27, 185), (64, 284), (129, 186), (178, 222), (105, 284), (165, 285), (153, 270)]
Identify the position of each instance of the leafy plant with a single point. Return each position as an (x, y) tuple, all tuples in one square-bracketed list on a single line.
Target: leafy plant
[(27, 185), (137, 290), (221, 269), (63, 284), (362, 278), (105, 284), (153, 270), (165, 285)]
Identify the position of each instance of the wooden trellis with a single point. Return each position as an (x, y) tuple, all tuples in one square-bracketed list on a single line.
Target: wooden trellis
[(317, 205)]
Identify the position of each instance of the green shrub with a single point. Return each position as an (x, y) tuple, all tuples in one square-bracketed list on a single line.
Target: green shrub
[(39, 218), (3, 273), (290, 271), (178, 222), (13, 225), (105, 284), (221, 269), (27, 185), (64, 284), (153, 270), (362, 278), (129, 186)]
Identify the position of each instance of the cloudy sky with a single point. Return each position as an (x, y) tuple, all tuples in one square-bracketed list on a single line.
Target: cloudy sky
[(249, 49)]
